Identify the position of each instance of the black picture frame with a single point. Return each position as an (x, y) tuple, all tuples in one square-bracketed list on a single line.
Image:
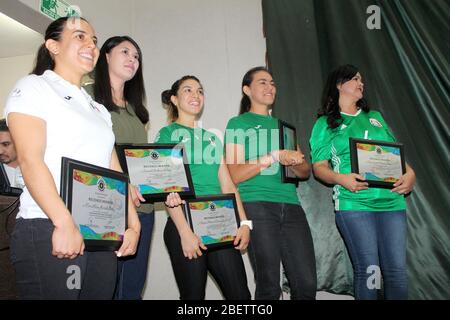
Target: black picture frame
[(355, 162), (68, 166), (287, 175), (159, 196), (5, 185), (212, 244)]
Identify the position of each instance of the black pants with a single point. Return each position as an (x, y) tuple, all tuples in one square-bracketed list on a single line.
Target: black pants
[(281, 234), (225, 265), (40, 275)]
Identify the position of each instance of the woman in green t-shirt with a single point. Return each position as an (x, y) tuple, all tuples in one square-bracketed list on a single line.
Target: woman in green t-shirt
[(119, 86), (372, 221), (281, 232), (190, 259)]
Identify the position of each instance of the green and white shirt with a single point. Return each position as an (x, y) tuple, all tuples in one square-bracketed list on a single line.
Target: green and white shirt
[(259, 135), (204, 153), (333, 145)]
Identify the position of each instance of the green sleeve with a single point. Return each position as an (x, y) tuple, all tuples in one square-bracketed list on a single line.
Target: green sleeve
[(320, 141), (232, 132), (385, 125), (163, 136)]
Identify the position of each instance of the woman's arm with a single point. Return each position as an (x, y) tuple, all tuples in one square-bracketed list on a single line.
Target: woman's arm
[(241, 170), (227, 186), (190, 242), (131, 237), (349, 181), (30, 137)]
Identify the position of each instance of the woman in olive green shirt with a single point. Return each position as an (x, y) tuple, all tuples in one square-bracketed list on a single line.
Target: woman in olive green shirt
[(119, 86), (188, 255)]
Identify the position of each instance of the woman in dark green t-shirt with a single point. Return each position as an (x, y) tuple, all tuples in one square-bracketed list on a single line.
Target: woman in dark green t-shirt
[(190, 259), (372, 221), (281, 232), (119, 86)]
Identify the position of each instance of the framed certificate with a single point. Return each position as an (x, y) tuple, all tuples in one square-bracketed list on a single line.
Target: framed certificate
[(380, 163), (214, 219), (288, 141), (157, 170), (97, 198)]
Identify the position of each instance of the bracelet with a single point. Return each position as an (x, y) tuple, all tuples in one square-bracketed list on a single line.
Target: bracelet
[(248, 223)]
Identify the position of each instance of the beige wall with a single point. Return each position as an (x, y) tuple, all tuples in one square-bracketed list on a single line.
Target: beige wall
[(12, 69)]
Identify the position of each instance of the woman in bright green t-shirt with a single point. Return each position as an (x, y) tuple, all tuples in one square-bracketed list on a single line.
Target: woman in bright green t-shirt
[(281, 232), (190, 259), (372, 221)]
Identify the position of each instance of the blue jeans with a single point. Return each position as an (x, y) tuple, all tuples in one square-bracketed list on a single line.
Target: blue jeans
[(281, 234), (376, 241), (132, 271)]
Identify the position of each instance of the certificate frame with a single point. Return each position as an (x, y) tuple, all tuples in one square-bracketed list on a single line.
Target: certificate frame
[(109, 241), (150, 193), (211, 242), (356, 144), (288, 131)]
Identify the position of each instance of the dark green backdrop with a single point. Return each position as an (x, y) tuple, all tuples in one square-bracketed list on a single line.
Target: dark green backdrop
[(406, 73)]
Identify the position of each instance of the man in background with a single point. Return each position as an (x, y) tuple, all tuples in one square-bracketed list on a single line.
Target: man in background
[(8, 210)]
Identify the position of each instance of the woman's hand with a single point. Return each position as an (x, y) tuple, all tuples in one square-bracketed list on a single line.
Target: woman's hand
[(288, 157), (136, 196), (405, 184), (351, 183), (173, 200), (129, 245), (67, 241), (242, 238), (191, 245)]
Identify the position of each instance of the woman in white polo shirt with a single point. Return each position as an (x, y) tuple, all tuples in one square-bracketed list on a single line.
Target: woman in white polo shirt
[(49, 117)]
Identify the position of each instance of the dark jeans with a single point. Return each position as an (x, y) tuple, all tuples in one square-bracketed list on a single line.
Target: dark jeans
[(281, 234), (225, 265), (132, 271), (376, 240), (40, 275)]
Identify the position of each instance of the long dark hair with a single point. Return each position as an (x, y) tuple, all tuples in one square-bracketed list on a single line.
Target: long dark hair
[(330, 96), (134, 90), (172, 110), (44, 60), (246, 81)]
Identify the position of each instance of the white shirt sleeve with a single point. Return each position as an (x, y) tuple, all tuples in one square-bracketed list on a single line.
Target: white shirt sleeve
[(28, 97)]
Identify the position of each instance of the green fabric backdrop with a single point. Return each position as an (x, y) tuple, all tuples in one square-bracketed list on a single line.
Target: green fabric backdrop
[(406, 74)]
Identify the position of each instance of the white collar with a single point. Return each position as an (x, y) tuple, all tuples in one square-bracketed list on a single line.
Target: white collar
[(352, 115)]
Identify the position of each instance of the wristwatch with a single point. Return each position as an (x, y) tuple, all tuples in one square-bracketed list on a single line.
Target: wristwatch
[(248, 223)]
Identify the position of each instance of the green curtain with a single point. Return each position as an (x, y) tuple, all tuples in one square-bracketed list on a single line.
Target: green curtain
[(406, 74)]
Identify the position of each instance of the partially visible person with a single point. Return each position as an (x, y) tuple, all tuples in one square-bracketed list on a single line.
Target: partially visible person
[(50, 116), (372, 221), (8, 157), (281, 232), (119, 86), (8, 211), (191, 260)]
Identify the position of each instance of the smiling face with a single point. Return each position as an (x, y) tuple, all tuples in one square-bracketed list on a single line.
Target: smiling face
[(123, 61), (189, 99), (352, 88), (261, 90), (76, 52)]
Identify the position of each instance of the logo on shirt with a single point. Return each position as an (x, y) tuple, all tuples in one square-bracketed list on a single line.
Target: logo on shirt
[(16, 93), (343, 126), (258, 126), (68, 98), (212, 140), (375, 123)]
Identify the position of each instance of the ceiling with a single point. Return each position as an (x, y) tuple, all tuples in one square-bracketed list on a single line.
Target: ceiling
[(17, 39)]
